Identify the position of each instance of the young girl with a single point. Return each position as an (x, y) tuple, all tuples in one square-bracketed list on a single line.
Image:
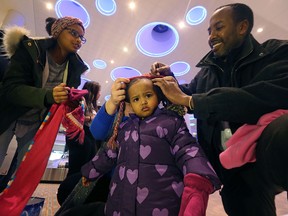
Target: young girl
[(159, 167)]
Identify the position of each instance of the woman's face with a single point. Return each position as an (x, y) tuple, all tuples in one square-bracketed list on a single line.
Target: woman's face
[(71, 38)]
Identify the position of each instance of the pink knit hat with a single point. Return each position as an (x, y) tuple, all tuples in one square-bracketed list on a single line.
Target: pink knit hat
[(60, 24)]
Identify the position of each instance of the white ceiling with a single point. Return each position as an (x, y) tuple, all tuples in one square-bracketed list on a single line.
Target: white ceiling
[(106, 36)]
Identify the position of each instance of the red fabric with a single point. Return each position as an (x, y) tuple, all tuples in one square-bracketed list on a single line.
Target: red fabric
[(15, 197), (241, 146), (195, 195), (31, 169), (74, 118)]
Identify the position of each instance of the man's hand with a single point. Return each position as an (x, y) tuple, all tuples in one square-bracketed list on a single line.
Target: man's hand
[(161, 69), (171, 90)]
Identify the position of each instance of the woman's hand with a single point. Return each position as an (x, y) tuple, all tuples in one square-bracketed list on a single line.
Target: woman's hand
[(60, 93), (117, 95)]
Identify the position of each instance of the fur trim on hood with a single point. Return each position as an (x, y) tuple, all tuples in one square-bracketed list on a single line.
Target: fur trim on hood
[(12, 38)]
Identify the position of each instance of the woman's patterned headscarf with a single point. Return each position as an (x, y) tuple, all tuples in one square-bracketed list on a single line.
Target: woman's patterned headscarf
[(60, 24)]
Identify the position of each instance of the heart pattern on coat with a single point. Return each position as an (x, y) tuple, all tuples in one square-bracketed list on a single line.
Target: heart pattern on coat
[(127, 135), (142, 194), (178, 188), (181, 130), (112, 189), (161, 132), (192, 151), (135, 135), (161, 169), (132, 175), (175, 149), (111, 154), (93, 173), (95, 158), (115, 213), (158, 212), (121, 172), (145, 151)]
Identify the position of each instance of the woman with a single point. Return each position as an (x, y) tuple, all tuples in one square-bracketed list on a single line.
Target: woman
[(40, 73)]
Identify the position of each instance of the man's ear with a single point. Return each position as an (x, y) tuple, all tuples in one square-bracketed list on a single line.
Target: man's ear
[(243, 27)]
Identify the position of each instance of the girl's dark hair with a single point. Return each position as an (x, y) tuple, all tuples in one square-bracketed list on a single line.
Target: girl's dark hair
[(91, 98), (240, 13), (161, 98), (160, 95), (49, 22)]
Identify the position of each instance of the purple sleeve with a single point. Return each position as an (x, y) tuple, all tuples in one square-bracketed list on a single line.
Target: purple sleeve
[(189, 156), (103, 162)]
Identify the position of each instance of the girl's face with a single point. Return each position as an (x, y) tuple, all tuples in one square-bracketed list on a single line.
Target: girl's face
[(143, 98), (71, 39)]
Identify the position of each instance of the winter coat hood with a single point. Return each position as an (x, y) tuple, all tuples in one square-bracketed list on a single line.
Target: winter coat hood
[(12, 37)]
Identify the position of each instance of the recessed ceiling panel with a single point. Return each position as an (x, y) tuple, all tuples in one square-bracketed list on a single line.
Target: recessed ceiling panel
[(72, 8), (196, 15), (124, 71), (157, 39), (106, 7), (180, 68), (100, 64)]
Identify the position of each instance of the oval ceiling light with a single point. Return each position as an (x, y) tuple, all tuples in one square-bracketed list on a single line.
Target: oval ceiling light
[(124, 71), (106, 7), (180, 68), (100, 64), (72, 8), (157, 39), (196, 15)]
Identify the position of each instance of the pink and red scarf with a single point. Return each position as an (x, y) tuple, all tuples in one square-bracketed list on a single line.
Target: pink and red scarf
[(21, 187)]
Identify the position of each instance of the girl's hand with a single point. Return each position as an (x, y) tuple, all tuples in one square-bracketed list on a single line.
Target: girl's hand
[(85, 181), (117, 95)]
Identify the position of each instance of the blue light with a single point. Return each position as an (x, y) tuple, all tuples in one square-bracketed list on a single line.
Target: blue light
[(72, 8), (125, 72), (196, 15), (157, 39), (106, 7), (100, 64), (107, 97), (180, 68)]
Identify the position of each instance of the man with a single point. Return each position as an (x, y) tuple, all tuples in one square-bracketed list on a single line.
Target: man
[(239, 81)]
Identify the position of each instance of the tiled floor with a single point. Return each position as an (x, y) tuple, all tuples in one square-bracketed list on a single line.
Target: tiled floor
[(48, 191)]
